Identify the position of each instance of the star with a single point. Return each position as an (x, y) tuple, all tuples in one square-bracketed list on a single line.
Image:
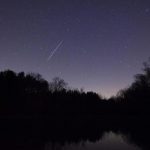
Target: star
[(147, 10), (68, 29)]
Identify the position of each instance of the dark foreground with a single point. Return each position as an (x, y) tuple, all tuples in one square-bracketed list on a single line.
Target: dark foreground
[(56, 132), (62, 116)]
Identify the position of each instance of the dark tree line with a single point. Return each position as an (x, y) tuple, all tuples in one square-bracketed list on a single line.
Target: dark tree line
[(30, 94), (136, 98)]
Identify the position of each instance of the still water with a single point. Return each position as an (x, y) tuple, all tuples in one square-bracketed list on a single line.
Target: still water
[(75, 134), (109, 141)]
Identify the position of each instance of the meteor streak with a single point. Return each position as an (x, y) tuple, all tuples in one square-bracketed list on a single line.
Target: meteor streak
[(55, 50)]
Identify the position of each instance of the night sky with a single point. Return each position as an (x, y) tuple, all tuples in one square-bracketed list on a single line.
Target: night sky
[(97, 45)]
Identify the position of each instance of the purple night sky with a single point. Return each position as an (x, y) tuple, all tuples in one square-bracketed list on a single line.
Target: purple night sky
[(97, 45)]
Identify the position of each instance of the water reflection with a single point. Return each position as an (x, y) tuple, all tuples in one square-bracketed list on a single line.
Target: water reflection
[(109, 141), (75, 134)]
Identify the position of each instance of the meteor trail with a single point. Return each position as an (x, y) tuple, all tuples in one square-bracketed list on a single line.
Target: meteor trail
[(55, 50)]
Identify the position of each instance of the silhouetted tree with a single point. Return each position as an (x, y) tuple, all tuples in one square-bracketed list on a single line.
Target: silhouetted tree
[(57, 85), (30, 94), (136, 97)]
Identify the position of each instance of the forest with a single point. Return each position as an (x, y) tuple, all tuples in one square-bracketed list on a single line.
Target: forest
[(31, 95)]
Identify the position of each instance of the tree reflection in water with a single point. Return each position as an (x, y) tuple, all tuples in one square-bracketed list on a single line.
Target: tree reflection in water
[(77, 133), (109, 141)]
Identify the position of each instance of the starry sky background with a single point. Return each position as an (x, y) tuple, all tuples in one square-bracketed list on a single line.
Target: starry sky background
[(103, 42)]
